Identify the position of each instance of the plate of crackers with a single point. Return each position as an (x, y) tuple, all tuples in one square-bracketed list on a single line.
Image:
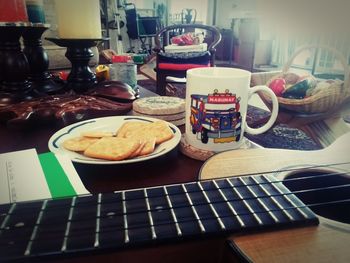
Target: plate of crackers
[(115, 140)]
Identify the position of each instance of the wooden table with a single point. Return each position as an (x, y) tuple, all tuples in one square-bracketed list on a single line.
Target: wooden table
[(174, 167), (171, 168)]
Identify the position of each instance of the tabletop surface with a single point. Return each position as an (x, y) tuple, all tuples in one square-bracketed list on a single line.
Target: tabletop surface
[(173, 167)]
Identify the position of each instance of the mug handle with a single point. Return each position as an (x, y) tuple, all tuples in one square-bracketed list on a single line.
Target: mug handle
[(274, 111)]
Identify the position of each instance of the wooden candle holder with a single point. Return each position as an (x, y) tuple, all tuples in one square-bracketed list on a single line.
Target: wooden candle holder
[(80, 78), (14, 67), (38, 60)]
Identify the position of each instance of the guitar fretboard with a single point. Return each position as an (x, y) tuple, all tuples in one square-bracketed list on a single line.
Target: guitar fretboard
[(135, 217)]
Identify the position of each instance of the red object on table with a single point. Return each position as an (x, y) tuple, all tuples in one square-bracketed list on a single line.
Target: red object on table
[(278, 86), (121, 58), (13, 11), (185, 39), (63, 75)]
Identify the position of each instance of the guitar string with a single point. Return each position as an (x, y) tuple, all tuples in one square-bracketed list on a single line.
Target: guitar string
[(302, 191), (309, 190), (207, 203), (291, 169), (204, 203), (82, 230), (279, 171), (275, 181), (121, 229), (327, 174)]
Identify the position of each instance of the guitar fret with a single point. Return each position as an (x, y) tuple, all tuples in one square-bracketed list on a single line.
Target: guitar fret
[(98, 215), (154, 235), (273, 199), (13, 206), (257, 218), (125, 219), (222, 225), (178, 229), (286, 197), (66, 233), (229, 205), (259, 200), (53, 228), (193, 209), (35, 230)]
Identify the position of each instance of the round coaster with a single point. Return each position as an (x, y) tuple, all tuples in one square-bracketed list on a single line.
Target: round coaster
[(178, 122), (170, 118), (203, 155), (194, 152), (159, 105)]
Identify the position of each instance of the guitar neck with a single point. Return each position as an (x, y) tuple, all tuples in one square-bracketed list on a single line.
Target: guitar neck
[(150, 215)]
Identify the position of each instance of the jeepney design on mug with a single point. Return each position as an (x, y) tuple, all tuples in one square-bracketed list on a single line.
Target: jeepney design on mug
[(216, 116)]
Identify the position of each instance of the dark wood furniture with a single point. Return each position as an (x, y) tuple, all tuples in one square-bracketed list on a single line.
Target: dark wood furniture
[(173, 167), (162, 39)]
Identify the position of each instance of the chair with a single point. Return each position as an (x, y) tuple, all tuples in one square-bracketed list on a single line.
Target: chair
[(141, 28), (176, 64)]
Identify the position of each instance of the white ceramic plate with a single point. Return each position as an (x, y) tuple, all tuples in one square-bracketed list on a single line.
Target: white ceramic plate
[(110, 124)]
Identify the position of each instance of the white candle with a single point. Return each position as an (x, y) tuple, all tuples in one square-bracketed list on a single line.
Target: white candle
[(78, 19)]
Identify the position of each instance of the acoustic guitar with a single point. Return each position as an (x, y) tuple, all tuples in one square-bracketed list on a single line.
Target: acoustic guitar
[(264, 219), (320, 178)]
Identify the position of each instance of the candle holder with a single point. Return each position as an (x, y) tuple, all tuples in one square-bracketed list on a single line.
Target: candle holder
[(80, 78), (14, 68), (38, 60)]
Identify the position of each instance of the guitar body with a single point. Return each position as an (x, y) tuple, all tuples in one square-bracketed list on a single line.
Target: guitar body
[(327, 242)]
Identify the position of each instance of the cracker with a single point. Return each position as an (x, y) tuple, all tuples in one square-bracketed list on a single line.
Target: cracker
[(138, 150), (158, 129), (78, 144), (97, 134), (130, 126), (149, 146), (112, 148), (145, 138)]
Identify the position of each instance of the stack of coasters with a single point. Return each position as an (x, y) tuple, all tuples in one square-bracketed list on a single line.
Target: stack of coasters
[(203, 155), (171, 109), (194, 152)]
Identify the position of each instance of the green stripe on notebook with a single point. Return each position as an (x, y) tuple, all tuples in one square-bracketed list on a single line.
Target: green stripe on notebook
[(56, 178)]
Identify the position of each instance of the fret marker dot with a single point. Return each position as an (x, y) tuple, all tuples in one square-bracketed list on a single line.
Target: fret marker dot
[(19, 224), (110, 214), (159, 208)]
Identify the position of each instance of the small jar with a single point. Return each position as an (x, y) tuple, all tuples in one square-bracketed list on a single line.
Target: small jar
[(35, 11), (126, 72)]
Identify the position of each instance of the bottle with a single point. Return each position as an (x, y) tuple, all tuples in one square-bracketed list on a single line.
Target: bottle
[(124, 70)]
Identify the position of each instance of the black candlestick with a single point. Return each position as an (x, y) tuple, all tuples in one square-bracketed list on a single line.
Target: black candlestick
[(14, 68), (38, 60), (79, 53)]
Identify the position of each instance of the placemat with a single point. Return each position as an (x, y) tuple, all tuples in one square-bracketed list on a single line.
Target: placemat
[(280, 136)]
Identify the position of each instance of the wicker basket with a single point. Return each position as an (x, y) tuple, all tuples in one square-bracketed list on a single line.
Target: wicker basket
[(326, 100)]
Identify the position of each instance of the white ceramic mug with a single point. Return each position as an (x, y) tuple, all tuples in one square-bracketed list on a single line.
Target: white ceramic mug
[(216, 107)]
